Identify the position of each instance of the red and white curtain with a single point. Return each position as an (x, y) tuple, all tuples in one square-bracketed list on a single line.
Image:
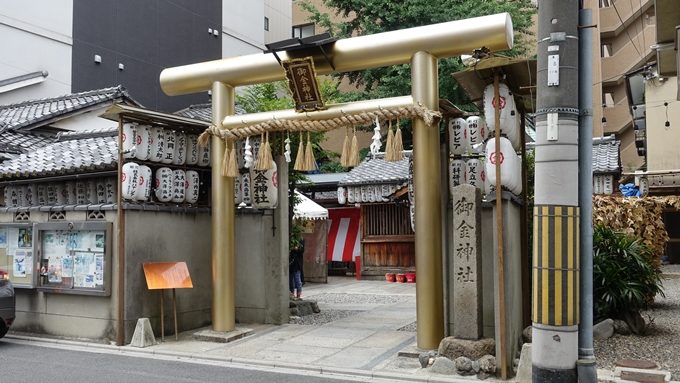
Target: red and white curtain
[(344, 235)]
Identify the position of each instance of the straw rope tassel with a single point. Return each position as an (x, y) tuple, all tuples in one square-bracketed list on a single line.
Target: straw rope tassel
[(398, 149), (232, 168), (225, 159), (354, 152), (389, 153), (267, 158), (310, 161), (300, 157), (344, 157)]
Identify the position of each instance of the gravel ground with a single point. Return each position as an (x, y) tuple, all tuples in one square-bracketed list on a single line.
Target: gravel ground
[(411, 327), (663, 341), (333, 298), (325, 316)]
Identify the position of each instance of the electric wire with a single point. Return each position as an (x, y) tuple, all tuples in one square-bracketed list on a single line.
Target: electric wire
[(626, 29)]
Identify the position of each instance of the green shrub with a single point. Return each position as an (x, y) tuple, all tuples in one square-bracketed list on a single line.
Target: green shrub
[(625, 278)]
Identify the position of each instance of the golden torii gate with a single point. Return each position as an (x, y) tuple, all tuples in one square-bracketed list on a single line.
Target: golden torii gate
[(421, 47)]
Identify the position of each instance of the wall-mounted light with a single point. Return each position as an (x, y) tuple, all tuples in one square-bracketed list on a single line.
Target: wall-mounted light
[(121, 66), (216, 32), (210, 30), (98, 59)]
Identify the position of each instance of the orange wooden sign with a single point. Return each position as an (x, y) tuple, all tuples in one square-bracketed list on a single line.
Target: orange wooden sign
[(167, 275)]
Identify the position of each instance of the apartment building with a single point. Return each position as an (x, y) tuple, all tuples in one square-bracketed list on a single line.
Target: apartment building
[(56, 47)]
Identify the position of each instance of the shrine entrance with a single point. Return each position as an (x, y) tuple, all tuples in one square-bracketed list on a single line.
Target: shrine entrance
[(420, 47)]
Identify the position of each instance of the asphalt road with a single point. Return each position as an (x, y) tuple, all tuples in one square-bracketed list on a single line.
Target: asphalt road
[(21, 363)]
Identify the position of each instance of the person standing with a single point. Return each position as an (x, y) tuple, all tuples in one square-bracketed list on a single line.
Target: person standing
[(295, 269)]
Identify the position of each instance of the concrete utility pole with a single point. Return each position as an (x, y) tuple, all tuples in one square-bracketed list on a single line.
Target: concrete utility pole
[(555, 311)]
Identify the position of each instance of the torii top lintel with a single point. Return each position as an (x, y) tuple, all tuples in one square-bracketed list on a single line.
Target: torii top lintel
[(356, 53)]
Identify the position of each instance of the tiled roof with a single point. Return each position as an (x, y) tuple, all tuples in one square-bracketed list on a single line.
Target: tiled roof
[(12, 143), (34, 113), (377, 170), (75, 152), (606, 157), (203, 112)]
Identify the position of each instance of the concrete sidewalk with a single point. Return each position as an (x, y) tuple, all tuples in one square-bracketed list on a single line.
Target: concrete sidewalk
[(361, 329)]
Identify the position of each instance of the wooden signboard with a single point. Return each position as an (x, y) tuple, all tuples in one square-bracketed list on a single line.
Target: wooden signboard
[(167, 275)]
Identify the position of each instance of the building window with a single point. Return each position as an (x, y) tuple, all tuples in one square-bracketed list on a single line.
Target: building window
[(266, 23), (303, 30)]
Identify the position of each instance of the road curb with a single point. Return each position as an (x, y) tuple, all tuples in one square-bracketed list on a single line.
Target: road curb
[(274, 365)]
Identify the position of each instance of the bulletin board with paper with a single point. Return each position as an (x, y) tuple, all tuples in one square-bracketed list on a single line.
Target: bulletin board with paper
[(74, 257), (16, 254)]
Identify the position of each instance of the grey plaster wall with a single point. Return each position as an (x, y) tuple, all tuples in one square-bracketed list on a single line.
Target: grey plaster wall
[(165, 237), (72, 316)]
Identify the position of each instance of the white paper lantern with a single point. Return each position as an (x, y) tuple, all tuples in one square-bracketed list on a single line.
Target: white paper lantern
[(41, 193), (473, 168), (342, 195), (350, 194), (31, 195), (129, 149), (457, 136), (192, 149), (53, 192), (156, 144), (644, 186), (142, 138), (180, 149), (144, 180), (163, 184), (608, 184), (101, 191), (92, 191), (511, 175), (264, 188), (246, 188), (411, 187), (192, 186), (111, 190), (169, 147), (238, 192), (456, 173), (598, 184), (204, 155), (82, 193), (179, 180), (412, 213), (129, 180), (476, 132), (11, 196), (71, 193), (509, 116)]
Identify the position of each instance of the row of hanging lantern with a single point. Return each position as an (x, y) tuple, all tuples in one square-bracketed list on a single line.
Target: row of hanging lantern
[(92, 191), (168, 185), (165, 146), (472, 146), (603, 184), (365, 193)]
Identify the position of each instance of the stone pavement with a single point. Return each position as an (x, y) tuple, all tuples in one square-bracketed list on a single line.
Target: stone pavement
[(367, 324)]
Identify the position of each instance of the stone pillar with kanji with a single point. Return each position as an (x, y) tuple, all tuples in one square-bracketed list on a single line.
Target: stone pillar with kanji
[(467, 262)]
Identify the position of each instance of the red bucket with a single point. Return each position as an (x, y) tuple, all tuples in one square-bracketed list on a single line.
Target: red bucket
[(390, 277), (401, 278), (411, 277)]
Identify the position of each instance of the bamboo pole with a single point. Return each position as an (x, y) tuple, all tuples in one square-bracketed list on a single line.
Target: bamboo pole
[(499, 234), (120, 236)]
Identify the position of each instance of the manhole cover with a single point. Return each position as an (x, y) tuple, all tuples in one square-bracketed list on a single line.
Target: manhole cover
[(636, 363)]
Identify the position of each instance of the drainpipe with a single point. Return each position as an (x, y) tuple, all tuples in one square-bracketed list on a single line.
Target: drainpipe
[(555, 315), (586, 369)]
